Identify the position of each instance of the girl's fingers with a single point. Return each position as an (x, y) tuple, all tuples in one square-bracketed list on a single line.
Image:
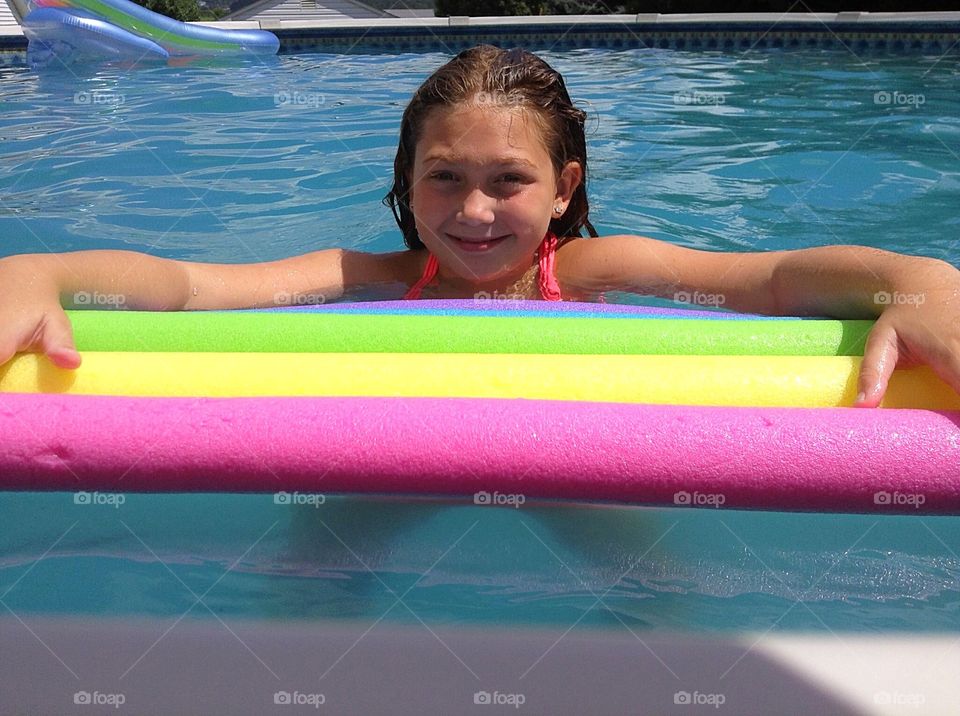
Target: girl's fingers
[(56, 342), (880, 357)]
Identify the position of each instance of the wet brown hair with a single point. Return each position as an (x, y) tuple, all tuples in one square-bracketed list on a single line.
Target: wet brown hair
[(518, 78)]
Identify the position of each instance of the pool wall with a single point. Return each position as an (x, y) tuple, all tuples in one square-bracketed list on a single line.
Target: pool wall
[(930, 33)]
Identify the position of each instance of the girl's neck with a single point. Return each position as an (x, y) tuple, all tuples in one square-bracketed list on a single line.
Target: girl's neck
[(517, 285)]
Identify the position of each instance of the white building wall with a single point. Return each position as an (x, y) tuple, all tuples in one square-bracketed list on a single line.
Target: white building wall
[(304, 10)]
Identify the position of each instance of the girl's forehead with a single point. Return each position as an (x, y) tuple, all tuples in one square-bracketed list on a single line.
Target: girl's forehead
[(465, 124)]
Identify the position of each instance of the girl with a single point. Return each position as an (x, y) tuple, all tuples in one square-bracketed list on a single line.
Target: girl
[(490, 194)]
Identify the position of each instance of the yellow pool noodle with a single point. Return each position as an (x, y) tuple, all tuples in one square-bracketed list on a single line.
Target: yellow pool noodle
[(820, 381)]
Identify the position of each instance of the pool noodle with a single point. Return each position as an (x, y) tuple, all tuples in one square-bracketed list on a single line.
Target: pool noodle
[(808, 381), (305, 332), (763, 458), (469, 306)]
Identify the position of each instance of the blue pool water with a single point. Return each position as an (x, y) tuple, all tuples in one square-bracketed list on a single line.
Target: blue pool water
[(258, 161)]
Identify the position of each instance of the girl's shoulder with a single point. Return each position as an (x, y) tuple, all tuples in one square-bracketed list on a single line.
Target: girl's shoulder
[(363, 269), (601, 263)]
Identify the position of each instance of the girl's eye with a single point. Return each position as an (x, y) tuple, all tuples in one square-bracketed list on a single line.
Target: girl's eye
[(511, 179), (442, 176)]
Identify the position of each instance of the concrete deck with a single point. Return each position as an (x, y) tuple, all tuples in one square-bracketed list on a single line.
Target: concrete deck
[(229, 667)]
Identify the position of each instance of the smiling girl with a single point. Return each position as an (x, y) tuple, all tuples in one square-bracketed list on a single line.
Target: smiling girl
[(490, 195)]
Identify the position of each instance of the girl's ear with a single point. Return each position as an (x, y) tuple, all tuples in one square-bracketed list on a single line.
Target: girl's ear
[(570, 177)]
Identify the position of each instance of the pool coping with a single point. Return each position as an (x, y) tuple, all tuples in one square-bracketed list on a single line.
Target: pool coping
[(944, 26), (237, 667)]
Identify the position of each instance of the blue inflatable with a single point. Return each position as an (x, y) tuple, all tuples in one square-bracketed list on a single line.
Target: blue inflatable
[(70, 31)]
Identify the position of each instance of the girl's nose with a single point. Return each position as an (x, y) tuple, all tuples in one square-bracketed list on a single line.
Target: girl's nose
[(477, 208)]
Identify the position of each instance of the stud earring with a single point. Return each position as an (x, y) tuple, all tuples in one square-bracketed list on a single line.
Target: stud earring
[(558, 210)]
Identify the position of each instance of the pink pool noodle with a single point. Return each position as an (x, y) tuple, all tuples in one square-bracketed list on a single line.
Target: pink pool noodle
[(828, 459)]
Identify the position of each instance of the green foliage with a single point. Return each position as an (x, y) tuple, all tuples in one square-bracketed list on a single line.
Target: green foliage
[(781, 6), (185, 10), (480, 8)]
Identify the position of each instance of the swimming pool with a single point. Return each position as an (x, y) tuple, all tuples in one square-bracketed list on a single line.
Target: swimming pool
[(255, 161)]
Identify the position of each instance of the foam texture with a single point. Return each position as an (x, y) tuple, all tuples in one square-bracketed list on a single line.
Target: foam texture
[(469, 306), (788, 459), (307, 332), (682, 380)]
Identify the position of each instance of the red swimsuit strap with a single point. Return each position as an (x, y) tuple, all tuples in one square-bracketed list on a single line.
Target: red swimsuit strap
[(428, 273), (549, 288)]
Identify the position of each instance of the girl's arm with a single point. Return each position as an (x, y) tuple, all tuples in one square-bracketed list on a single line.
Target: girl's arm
[(34, 287), (916, 300)]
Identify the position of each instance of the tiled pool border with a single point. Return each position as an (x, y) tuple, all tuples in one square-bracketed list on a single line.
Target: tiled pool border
[(928, 33)]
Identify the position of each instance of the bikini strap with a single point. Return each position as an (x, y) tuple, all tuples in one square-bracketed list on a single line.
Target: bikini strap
[(549, 287), (429, 271)]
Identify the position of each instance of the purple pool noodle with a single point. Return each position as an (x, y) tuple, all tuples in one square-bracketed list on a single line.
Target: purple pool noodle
[(470, 306), (826, 459)]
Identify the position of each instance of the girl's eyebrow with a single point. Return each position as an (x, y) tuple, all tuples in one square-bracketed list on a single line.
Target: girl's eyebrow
[(455, 158)]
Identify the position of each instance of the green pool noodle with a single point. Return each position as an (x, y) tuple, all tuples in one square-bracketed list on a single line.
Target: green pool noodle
[(308, 332)]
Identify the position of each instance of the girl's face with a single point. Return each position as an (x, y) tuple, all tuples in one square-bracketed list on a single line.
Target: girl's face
[(483, 191)]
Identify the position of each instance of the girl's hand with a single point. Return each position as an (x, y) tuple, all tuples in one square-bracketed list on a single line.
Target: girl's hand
[(31, 318), (923, 330)]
